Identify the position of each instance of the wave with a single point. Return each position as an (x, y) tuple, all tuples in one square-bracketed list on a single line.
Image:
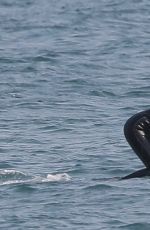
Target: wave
[(11, 176), (136, 226)]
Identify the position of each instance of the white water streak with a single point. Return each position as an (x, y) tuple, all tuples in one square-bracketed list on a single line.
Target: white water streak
[(11, 176)]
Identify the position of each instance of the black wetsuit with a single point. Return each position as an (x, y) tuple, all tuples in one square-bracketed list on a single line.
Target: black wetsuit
[(137, 133)]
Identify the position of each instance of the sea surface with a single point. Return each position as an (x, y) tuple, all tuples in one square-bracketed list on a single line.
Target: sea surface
[(71, 73)]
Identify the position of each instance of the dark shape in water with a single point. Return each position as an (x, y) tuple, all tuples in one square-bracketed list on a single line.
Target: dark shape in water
[(137, 133)]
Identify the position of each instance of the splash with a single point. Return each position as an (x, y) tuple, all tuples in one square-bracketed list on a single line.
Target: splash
[(58, 177), (11, 176)]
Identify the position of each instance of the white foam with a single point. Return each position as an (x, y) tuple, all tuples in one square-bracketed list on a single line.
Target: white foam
[(12, 182), (11, 172), (58, 177), (11, 176)]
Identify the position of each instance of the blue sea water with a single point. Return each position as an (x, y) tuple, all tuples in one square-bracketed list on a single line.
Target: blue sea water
[(71, 74)]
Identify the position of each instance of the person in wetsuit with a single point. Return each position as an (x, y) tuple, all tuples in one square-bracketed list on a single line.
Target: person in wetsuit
[(137, 133)]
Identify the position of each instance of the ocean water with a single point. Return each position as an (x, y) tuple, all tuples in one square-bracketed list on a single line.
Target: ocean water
[(71, 74)]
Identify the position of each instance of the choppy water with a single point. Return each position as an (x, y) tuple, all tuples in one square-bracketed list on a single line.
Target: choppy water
[(71, 73)]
